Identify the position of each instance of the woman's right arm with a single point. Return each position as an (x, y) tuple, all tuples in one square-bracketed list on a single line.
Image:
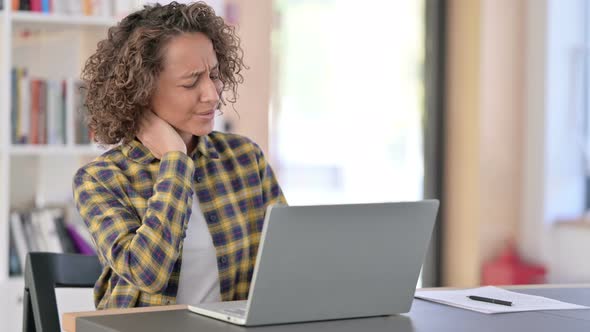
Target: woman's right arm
[(143, 252)]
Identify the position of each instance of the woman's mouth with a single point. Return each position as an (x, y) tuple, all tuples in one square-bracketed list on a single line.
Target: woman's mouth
[(206, 115)]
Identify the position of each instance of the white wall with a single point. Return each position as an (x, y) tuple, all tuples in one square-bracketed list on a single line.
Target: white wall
[(553, 171)]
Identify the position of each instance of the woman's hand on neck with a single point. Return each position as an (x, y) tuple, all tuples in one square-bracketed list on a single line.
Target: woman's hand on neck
[(159, 136)]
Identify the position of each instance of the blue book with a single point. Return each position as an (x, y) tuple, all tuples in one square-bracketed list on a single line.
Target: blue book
[(45, 6), (15, 267)]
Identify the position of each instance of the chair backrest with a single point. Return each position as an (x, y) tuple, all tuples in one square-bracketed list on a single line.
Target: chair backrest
[(43, 273)]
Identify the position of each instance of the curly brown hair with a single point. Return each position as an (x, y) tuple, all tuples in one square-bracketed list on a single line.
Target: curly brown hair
[(120, 77)]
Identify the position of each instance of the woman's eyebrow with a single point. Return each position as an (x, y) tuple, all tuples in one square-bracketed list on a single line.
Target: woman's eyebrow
[(193, 73), (196, 73)]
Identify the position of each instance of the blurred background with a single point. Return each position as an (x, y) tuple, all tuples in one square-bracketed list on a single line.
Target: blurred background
[(483, 104)]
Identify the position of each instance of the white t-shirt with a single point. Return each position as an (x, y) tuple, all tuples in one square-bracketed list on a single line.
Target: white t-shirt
[(199, 277)]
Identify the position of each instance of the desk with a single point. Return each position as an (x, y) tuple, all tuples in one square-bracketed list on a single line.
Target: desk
[(424, 317)]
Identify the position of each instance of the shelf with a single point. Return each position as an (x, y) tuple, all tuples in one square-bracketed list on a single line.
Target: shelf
[(59, 19), (44, 150)]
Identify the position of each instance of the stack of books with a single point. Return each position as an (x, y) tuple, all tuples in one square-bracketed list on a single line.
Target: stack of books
[(39, 108), (46, 230), (66, 7), (103, 8)]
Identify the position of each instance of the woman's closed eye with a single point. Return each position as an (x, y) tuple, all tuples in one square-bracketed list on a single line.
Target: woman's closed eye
[(192, 85), (213, 77)]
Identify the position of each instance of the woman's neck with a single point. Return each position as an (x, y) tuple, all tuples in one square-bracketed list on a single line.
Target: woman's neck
[(190, 141)]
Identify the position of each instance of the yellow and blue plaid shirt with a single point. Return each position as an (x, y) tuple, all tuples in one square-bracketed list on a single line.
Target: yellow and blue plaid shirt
[(137, 209)]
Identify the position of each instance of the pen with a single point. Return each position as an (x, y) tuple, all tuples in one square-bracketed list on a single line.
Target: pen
[(490, 300)]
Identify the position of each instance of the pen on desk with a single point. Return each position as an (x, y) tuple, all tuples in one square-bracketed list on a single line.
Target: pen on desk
[(489, 300)]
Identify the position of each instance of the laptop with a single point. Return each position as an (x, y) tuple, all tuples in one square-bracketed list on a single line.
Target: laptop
[(333, 262)]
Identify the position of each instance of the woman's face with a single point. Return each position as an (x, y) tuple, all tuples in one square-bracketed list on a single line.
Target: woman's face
[(188, 89)]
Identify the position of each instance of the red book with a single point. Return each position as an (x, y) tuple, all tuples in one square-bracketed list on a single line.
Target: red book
[(34, 132), (36, 6)]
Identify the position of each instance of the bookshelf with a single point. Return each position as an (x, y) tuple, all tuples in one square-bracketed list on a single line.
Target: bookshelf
[(75, 150), (50, 47), (44, 20)]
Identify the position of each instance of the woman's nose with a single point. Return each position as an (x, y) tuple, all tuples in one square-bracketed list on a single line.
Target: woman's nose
[(209, 92)]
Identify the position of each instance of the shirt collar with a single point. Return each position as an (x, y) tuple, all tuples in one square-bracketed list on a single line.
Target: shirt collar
[(140, 153)]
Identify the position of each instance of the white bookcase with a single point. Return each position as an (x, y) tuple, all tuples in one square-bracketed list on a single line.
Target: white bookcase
[(42, 174), (57, 47)]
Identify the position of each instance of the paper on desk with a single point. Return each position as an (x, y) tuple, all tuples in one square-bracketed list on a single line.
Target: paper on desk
[(520, 302)]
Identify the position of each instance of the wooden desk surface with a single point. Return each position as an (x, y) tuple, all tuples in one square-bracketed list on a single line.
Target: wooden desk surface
[(69, 319)]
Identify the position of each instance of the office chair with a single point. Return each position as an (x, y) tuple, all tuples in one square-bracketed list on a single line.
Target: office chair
[(43, 273)]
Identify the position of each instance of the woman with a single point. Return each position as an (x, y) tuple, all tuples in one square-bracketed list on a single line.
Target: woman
[(176, 209)]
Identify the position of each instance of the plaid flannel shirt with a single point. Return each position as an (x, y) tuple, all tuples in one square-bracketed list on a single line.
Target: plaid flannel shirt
[(137, 209)]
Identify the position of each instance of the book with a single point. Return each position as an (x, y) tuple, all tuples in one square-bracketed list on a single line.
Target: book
[(74, 7), (59, 7), (24, 107), (17, 233), (48, 230), (30, 236), (42, 98), (37, 231), (14, 105), (46, 5), (24, 5), (65, 7), (66, 241), (15, 267), (34, 111), (35, 5), (38, 111), (82, 246), (53, 135)]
